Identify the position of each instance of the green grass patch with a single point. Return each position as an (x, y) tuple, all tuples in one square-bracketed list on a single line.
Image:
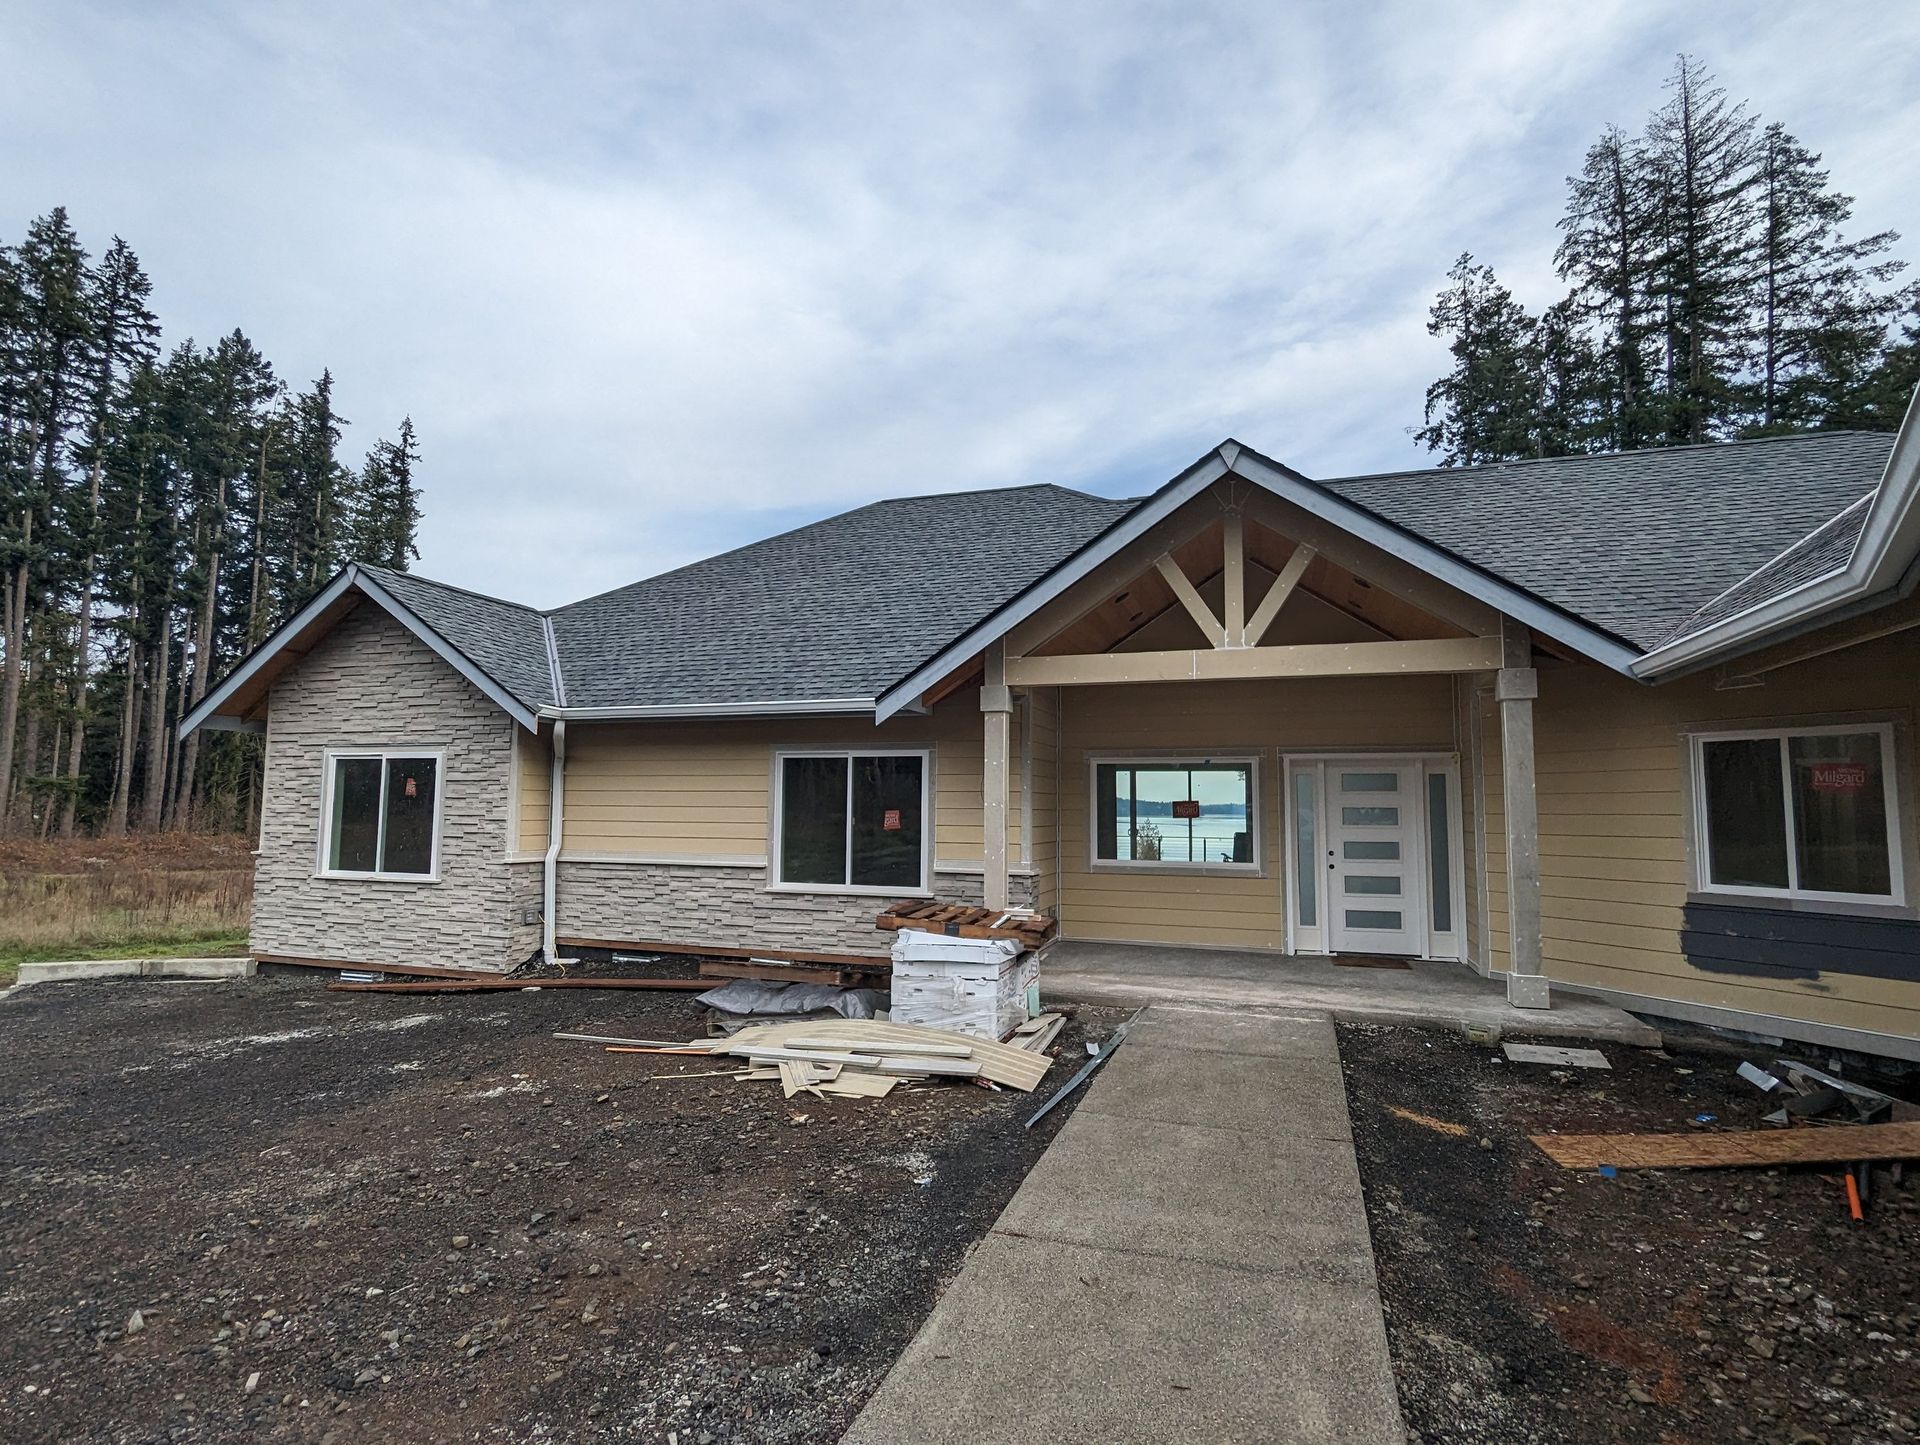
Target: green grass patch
[(204, 943)]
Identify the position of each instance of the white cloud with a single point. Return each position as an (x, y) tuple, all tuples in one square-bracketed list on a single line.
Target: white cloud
[(652, 281)]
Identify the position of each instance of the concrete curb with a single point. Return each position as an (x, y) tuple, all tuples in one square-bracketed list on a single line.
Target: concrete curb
[(78, 970)]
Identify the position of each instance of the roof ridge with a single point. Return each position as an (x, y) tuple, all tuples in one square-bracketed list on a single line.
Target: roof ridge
[(379, 571), (816, 522), (1438, 471)]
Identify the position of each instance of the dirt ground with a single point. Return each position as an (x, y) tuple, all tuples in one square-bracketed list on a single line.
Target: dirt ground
[(1531, 1303), (265, 1211)]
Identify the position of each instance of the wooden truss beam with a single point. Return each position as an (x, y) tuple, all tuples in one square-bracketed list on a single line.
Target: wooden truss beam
[(1277, 595), (1211, 627), (1320, 659)]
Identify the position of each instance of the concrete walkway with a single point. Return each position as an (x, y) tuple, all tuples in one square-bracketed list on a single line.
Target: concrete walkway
[(1451, 994), (1189, 1260)]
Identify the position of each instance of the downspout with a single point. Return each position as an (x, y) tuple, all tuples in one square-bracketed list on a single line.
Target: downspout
[(556, 803)]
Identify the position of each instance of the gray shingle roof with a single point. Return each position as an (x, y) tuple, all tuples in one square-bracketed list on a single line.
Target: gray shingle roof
[(503, 639), (1631, 542), (839, 609), (1826, 549), (1643, 545)]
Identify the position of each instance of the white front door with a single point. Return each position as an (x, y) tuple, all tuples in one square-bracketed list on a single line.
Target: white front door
[(1376, 888)]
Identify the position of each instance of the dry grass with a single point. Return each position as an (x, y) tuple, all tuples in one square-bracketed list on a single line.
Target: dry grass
[(99, 899)]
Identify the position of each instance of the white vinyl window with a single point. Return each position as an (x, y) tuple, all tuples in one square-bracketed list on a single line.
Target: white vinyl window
[(851, 822), (1176, 813), (380, 814), (1798, 813)]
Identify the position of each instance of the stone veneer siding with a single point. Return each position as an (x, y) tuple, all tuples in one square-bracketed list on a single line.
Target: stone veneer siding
[(372, 683), (732, 907)]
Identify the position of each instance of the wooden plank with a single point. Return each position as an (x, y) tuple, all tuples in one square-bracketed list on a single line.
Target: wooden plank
[(1210, 626), (870, 963), (897, 1046), (479, 974), (1233, 578), (1744, 1149), (774, 1053), (1016, 1068), (860, 1086), (520, 985), (922, 1067), (1277, 595), (1312, 659), (776, 973)]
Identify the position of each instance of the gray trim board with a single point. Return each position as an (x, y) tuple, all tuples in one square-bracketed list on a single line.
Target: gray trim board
[(1776, 943)]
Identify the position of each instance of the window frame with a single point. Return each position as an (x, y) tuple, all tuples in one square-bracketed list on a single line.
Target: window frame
[(386, 754), (1256, 868), (777, 884), (1703, 840)]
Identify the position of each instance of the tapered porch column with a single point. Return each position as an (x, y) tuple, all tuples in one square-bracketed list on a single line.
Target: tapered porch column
[(1515, 687), (996, 708)]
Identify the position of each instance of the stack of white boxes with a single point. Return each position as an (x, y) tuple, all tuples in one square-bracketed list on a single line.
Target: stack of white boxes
[(975, 986)]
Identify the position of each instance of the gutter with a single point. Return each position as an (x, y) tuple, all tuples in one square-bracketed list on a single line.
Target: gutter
[(1879, 566), (550, 868), (797, 707)]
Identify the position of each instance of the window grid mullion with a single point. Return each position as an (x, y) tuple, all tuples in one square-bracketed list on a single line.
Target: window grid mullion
[(380, 831), (846, 872), (1786, 807)]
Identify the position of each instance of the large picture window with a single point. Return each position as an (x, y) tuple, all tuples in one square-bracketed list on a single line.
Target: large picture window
[(1175, 812), (382, 815), (1799, 813), (852, 820)]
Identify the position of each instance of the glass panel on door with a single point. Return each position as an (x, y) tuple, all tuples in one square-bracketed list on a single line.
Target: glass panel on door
[(1372, 858)]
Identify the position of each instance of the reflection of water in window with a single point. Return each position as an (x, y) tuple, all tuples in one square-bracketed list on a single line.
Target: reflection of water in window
[(1148, 830)]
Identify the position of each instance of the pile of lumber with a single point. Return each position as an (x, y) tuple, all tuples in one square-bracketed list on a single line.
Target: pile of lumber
[(960, 920), (864, 1058)]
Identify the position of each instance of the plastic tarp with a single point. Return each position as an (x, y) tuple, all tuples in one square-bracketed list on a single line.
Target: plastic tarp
[(753, 998)]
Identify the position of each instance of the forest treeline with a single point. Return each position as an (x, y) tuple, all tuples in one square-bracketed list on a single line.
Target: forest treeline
[(1715, 291), (160, 514)]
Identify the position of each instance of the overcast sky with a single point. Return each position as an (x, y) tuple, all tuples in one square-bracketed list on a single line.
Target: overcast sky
[(653, 281)]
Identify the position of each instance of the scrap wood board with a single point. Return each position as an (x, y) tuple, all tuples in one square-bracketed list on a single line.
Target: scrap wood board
[(1838, 1144), (1016, 1068), (961, 920)]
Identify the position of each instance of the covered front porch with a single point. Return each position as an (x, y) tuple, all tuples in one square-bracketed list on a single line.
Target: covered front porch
[(1251, 723), (1414, 991)]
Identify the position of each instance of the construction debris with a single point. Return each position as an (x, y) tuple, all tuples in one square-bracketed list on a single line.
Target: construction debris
[(745, 998), (518, 985), (1550, 1054), (858, 1058), (1744, 1148), (1100, 1056), (959, 920), (985, 987)]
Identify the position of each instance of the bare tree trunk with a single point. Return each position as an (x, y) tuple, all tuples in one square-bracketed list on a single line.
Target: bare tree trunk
[(129, 745), (202, 669), (16, 642), (83, 664), (153, 800), (259, 538)]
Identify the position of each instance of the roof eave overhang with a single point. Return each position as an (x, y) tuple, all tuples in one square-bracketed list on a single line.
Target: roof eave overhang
[(793, 707), (1880, 568), (208, 711)]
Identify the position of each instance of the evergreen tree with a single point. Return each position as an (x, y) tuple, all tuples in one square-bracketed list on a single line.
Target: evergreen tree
[(1712, 293), (157, 519), (1483, 409), (389, 512), (1824, 306), (1608, 252)]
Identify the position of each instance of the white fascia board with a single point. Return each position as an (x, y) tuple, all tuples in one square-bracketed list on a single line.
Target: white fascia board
[(798, 707), (265, 652), (1889, 542), (353, 579), (447, 652), (1176, 494), (1522, 606)]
